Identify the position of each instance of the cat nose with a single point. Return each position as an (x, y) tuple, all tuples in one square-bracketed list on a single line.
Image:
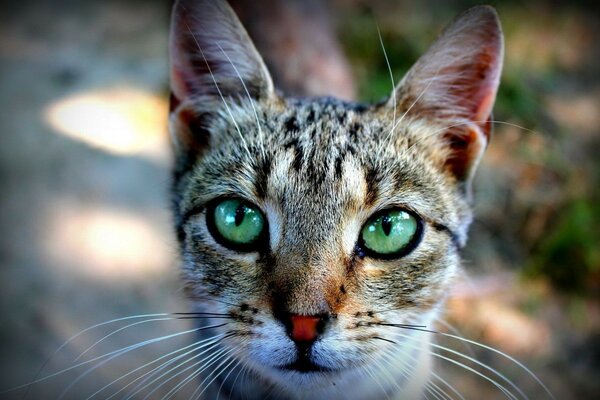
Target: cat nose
[(304, 329)]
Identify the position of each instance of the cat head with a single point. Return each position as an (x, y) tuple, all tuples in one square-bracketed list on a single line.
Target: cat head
[(313, 225)]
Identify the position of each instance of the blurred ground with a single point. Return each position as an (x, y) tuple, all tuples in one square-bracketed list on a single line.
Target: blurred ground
[(84, 161)]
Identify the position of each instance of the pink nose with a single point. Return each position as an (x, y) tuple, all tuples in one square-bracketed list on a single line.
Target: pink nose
[(304, 328)]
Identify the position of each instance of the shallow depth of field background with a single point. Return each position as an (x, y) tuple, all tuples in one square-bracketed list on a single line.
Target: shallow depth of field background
[(84, 174)]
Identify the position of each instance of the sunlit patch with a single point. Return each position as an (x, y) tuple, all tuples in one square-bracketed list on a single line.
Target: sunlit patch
[(108, 243), (119, 120)]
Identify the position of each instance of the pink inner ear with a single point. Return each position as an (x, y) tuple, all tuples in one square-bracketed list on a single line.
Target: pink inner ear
[(483, 112), (466, 149)]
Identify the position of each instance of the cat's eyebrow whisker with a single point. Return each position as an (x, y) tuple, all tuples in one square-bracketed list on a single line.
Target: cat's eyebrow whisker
[(219, 90), (260, 134), (437, 132), (195, 346), (387, 61), (391, 132)]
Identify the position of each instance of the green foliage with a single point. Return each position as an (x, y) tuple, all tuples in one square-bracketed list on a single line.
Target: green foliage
[(569, 254)]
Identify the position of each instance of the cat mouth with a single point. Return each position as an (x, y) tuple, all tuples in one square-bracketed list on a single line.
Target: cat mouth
[(304, 365)]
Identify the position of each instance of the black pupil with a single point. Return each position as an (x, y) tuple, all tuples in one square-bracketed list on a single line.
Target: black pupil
[(386, 225), (240, 213)]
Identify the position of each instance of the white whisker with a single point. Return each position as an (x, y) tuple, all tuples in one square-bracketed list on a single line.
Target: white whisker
[(452, 388), (116, 355), (195, 346), (212, 351), (473, 360), (258, 126), (517, 362), (117, 331), (203, 385), (111, 355), (220, 93)]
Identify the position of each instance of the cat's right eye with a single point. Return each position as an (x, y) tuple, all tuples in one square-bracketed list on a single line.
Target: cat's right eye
[(390, 233), (236, 224)]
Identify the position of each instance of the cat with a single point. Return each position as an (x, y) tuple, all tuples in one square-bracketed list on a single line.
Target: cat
[(319, 238)]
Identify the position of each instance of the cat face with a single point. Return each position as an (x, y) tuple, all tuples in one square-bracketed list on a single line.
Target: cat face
[(315, 228)]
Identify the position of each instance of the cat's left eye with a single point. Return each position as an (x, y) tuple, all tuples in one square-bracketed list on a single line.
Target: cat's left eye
[(390, 234), (236, 224)]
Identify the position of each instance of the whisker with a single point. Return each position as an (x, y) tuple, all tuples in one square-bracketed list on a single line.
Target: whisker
[(493, 381), (437, 132), (260, 134), (456, 332), (212, 350), (369, 370), (386, 340), (223, 355), (240, 372), (452, 388), (117, 331), (196, 346), (517, 362), (390, 134), (75, 336), (103, 362), (226, 377), (389, 355), (219, 90), (194, 297), (387, 61), (117, 353), (223, 369), (512, 359)]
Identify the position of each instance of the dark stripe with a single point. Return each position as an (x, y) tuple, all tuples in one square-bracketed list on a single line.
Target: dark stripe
[(184, 220), (372, 186), (443, 228), (298, 153), (261, 182)]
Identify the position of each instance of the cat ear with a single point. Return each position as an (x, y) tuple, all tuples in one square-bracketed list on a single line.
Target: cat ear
[(455, 83), (210, 51)]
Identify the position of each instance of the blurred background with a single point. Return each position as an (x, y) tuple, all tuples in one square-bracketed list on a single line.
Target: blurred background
[(84, 171)]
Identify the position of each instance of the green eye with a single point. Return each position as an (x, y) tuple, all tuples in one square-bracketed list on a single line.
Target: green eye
[(390, 234), (236, 224)]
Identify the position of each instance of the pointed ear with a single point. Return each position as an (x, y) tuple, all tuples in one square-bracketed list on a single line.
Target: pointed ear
[(455, 84), (210, 52)]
